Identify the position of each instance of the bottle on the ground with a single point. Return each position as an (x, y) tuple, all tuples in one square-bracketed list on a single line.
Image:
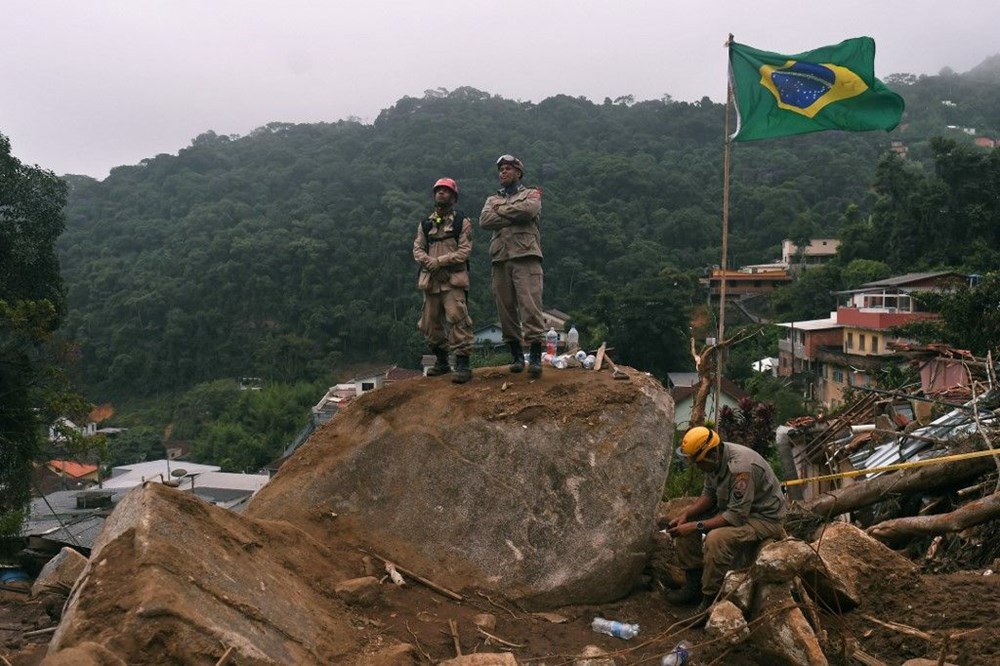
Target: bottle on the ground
[(614, 628), (679, 655)]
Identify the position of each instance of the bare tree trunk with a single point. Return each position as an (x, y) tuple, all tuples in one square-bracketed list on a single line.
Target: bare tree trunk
[(706, 379), (903, 482), (975, 512), (705, 363)]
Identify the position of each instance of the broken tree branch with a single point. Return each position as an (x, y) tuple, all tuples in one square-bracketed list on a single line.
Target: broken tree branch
[(973, 513), (39, 632), (706, 362), (420, 579), (901, 628), (226, 657), (453, 626), (860, 655), (862, 494), (979, 425), (497, 638)]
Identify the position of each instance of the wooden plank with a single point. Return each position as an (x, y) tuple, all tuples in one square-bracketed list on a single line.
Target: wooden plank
[(600, 356)]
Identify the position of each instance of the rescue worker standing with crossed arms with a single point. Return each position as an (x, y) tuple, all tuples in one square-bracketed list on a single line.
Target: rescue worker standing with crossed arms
[(512, 214), (741, 505), (442, 248)]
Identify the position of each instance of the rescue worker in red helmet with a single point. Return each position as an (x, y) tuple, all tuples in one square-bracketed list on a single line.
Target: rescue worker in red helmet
[(442, 247), (741, 505), (513, 214)]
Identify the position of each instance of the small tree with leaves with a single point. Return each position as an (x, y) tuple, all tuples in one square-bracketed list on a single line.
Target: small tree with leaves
[(750, 424)]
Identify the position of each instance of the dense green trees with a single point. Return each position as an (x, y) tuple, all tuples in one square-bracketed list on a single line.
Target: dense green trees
[(33, 389), (970, 317), (286, 253)]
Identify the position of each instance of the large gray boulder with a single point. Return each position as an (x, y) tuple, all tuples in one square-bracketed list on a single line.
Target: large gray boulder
[(172, 579), (852, 562), (544, 491), (60, 573)]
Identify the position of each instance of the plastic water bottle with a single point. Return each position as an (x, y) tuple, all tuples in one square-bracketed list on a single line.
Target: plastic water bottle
[(613, 628), (572, 339), (590, 362), (581, 356), (560, 362), (679, 655), (551, 341)]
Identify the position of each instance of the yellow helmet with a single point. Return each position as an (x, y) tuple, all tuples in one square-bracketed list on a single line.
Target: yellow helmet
[(698, 442)]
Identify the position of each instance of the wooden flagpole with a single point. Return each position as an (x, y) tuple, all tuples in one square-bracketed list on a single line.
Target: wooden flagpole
[(725, 243)]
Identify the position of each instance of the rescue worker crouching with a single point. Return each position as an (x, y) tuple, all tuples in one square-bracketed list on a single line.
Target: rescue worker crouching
[(442, 247), (741, 505)]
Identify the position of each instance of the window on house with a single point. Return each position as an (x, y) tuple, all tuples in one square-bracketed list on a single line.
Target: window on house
[(367, 386), (850, 341), (874, 344), (838, 375), (861, 343)]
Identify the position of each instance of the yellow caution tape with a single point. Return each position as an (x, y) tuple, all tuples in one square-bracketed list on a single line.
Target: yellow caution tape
[(890, 468)]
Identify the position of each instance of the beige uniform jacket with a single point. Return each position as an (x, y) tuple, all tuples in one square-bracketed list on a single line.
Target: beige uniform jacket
[(513, 219), (745, 487), (451, 254)]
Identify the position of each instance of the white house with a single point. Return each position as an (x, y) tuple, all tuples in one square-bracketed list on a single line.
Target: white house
[(684, 385)]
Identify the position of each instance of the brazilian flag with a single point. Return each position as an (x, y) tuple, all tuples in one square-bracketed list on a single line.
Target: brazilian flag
[(830, 88)]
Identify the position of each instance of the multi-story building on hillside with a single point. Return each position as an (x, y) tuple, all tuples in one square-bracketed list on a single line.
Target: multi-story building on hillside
[(847, 348), (818, 251), (749, 280)]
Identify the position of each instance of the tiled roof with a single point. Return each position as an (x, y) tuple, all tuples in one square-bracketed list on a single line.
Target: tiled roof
[(72, 468)]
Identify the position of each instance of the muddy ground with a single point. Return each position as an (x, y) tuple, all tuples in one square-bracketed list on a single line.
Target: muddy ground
[(966, 603)]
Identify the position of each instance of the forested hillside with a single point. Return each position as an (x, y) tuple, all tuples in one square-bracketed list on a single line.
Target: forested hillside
[(286, 253)]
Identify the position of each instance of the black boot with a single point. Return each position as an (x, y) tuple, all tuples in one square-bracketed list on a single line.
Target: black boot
[(516, 357), (705, 604), (440, 366), (699, 618), (463, 372), (691, 591), (535, 360)]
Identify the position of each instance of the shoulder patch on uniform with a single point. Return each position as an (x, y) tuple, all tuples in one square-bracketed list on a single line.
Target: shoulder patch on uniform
[(740, 483)]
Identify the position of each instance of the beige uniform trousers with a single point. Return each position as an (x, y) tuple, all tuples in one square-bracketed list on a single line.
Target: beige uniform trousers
[(449, 307), (721, 547), (517, 288)]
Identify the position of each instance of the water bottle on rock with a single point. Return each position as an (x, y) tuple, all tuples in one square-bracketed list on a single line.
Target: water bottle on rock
[(679, 655), (617, 629)]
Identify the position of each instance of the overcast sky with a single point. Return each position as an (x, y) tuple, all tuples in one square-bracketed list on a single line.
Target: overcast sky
[(87, 85)]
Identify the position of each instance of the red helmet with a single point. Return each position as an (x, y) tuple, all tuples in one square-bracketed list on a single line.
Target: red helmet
[(449, 183)]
